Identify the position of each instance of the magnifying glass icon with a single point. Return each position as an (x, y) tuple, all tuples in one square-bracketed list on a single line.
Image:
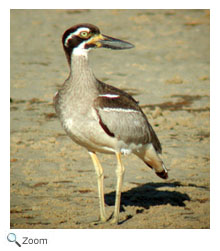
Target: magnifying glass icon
[(12, 238)]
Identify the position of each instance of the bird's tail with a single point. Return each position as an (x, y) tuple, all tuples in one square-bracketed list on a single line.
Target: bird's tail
[(150, 157)]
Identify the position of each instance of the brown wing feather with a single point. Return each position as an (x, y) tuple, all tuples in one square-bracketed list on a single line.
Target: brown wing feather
[(121, 124)]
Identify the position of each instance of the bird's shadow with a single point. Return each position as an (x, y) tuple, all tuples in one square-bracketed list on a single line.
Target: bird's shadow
[(147, 195)]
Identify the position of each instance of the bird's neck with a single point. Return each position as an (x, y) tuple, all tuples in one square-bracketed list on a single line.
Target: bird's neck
[(81, 75), (79, 64)]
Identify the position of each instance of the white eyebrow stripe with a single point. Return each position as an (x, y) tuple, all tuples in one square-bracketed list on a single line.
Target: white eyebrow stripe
[(109, 95), (75, 33), (80, 30)]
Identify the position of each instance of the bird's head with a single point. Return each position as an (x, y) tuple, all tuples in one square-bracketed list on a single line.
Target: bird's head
[(81, 38)]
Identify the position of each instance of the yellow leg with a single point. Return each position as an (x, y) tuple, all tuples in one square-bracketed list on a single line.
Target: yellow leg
[(100, 178), (120, 174)]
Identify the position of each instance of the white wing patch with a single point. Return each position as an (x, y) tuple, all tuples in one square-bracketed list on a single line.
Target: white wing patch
[(109, 109), (109, 95)]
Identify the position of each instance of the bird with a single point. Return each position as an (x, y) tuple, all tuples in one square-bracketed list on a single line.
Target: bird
[(100, 117)]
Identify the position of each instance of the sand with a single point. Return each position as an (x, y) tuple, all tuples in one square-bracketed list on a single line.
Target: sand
[(53, 182)]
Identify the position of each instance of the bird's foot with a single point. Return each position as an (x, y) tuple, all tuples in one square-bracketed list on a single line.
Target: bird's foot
[(113, 219), (101, 220)]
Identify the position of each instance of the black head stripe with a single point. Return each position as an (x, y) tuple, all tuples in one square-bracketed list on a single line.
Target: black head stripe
[(71, 40), (76, 40)]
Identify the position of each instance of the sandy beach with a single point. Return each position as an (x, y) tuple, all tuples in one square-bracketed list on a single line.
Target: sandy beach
[(53, 181)]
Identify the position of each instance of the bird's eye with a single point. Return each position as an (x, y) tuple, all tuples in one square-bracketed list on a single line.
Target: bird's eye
[(84, 34)]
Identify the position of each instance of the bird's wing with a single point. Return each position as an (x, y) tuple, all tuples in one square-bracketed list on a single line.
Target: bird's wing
[(121, 117)]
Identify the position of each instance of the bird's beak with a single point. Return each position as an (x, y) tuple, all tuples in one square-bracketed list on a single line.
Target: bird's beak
[(110, 42)]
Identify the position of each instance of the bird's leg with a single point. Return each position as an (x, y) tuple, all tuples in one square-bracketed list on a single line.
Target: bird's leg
[(100, 177), (120, 174)]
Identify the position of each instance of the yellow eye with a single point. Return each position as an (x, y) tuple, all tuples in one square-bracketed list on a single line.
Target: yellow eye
[(84, 34)]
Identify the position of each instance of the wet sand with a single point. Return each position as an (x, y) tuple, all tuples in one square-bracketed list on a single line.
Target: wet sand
[(53, 182)]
